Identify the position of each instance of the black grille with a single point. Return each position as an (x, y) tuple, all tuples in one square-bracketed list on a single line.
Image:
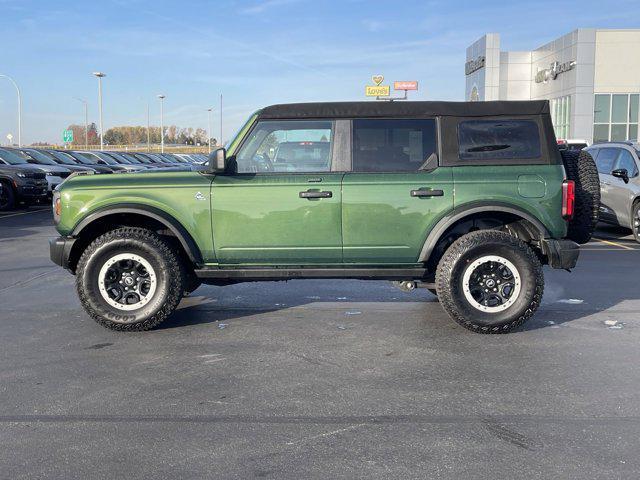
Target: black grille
[(64, 174)]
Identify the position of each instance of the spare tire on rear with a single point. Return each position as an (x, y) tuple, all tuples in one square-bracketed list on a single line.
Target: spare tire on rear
[(581, 168)]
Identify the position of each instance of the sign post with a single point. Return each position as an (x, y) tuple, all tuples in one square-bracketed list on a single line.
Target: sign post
[(67, 136), (384, 91)]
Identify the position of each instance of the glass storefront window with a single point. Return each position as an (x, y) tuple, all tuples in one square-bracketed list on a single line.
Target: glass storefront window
[(561, 115), (601, 110), (619, 108), (616, 117), (633, 108)]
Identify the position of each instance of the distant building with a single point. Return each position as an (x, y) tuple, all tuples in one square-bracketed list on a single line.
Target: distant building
[(590, 76)]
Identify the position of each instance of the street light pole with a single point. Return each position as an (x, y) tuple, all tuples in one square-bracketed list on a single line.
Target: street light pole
[(221, 141), (100, 75), (209, 131), (161, 97), (19, 107), (86, 122), (148, 130)]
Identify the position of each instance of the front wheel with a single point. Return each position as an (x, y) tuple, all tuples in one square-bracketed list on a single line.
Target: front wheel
[(130, 279), (489, 282)]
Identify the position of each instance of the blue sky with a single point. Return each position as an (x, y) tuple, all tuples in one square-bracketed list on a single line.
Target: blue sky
[(255, 52)]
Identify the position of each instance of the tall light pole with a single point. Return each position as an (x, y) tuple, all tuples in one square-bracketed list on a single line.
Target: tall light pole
[(148, 129), (100, 75), (86, 122), (19, 107), (161, 97), (221, 141), (209, 131)]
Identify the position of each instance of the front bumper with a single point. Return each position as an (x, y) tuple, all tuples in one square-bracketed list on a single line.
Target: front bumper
[(32, 191), (60, 250), (560, 253)]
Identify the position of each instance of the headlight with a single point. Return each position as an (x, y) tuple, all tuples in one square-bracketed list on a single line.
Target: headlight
[(57, 207)]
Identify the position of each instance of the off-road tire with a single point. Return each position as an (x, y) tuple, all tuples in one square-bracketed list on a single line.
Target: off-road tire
[(169, 271), (581, 168), (7, 197), (472, 246)]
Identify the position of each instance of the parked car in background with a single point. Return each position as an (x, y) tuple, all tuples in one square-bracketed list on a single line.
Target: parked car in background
[(618, 168), (22, 184), (39, 157), (87, 159), (54, 174), (63, 158)]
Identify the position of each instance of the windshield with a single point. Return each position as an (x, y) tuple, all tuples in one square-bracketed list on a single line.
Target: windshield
[(11, 158), (118, 158), (62, 158), (39, 157), (86, 159), (105, 158)]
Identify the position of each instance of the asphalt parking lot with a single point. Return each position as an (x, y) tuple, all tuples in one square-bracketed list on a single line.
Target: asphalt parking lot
[(318, 379)]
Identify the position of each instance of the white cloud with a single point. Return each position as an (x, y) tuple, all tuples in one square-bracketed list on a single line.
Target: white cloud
[(265, 5)]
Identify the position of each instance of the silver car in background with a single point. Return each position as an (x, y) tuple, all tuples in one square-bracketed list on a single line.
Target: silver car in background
[(618, 167)]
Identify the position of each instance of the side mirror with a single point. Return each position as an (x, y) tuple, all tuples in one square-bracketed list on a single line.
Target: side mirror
[(218, 160), (622, 174)]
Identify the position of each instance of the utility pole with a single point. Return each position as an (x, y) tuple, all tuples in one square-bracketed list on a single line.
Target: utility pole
[(100, 75), (148, 129), (161, 97), (86, 122), (209, 131), (221, 141), (19, 107)]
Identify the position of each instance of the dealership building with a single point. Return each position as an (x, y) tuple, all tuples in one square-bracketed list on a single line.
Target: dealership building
[(591, 78)]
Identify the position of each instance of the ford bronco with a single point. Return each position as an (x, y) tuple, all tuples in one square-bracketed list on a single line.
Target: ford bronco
[(469, 200)]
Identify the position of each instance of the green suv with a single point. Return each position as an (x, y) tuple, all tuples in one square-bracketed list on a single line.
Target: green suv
[(466, 199)]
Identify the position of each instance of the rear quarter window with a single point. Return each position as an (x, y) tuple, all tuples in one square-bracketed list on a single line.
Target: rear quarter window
[(486, 140)]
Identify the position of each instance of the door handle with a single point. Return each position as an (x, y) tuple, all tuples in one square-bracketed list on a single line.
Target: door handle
[(315, 194), (423, 192)]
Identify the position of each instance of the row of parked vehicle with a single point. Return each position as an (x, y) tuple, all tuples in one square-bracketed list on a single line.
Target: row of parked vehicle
[(29, 175)]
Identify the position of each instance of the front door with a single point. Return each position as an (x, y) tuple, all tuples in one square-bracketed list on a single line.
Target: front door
[(621, 194), (395, 192), (606, 161), (283, 204)]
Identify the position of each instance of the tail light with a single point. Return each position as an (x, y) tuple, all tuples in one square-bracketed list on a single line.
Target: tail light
[(568, 199)]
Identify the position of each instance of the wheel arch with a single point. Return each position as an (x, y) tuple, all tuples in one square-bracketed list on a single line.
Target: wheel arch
[(502, 213), (105, 218)]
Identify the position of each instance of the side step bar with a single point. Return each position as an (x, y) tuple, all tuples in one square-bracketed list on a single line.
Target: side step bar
[(259, 274)]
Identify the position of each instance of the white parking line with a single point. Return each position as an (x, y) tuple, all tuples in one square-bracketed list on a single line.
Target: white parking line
[(23, 213)]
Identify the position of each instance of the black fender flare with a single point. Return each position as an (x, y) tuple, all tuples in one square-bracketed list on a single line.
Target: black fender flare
[(183, 236), (469, 209)]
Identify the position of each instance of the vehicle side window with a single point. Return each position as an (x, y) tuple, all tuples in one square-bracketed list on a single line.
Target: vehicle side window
[(298, 146), (607, 159), (393, 145), (484, 140), (626, 161)]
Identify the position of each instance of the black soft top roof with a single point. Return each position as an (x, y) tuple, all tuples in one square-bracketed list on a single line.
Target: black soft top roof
[(403, 109)]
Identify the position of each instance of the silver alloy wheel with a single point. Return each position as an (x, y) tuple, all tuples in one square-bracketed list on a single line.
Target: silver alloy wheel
[(127, 281), (491, 284)]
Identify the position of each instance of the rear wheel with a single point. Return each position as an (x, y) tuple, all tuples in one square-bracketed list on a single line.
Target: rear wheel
[(130, 279), (489, 282), (7, 197), (581, 168)]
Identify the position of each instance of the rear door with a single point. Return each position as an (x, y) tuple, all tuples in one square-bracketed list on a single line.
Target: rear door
[(283, 204), (395, 191)]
